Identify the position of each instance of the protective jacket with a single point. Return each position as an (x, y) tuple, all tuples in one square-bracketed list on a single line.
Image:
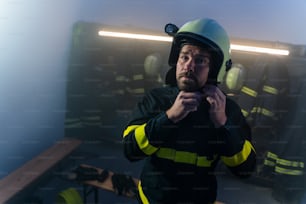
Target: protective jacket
[(181, 157)]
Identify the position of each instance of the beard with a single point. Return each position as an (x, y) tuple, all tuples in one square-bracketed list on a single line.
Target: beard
[(188, 82)]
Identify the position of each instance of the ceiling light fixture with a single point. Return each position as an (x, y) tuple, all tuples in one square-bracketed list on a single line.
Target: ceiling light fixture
[(259, 49), (135, 36), (169, 39)]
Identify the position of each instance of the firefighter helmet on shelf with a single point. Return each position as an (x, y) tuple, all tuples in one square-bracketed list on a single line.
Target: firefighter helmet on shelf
[(205, 33), (153, 64), (235, 77)]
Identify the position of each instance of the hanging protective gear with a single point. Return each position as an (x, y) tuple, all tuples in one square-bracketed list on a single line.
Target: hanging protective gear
[(209, 34), (235, 77), (153, 64)]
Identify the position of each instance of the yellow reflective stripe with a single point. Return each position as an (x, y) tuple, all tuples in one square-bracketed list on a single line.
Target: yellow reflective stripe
[(290, 163), (249, 91), (129, 129), (266, 112), (263, 111), (283, 162), (184, 157), (244, 112), (166, 153), (271, 159), (121, 78), (119, 91), (142, 140), (270, 89), (142, 196), (240, 157), (288, 171), (138, 90), (255, 110), (138, 77), (272, 155), (269, 163)]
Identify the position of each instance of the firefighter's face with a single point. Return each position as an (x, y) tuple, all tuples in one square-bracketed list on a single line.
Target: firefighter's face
[(192, 68)]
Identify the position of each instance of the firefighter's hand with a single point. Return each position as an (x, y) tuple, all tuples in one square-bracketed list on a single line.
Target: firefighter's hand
[(217, 100), (185, 103)]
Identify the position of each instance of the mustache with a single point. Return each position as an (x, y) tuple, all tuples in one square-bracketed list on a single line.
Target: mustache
[(188, 74)]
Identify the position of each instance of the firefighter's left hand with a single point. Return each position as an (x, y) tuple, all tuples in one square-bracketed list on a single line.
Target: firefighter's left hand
[(217, 100)]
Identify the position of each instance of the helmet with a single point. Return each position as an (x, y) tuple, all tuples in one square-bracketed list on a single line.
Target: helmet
[(153, 64), (205, 33), (235, 77)]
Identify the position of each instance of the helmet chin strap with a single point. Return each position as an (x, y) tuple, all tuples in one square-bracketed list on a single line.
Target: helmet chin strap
[(228, 64)]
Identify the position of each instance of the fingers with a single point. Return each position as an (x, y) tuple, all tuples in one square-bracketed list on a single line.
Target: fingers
[(210, 90), (211, 100), (217, 100), (190, 100), (214, 95), (190, 97), (184, 103)]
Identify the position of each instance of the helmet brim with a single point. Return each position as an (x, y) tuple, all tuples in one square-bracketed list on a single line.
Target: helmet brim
[(190, 38)]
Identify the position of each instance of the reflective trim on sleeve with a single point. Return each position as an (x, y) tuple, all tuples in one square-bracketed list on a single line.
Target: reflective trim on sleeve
[(270, 159), (284, 166), (290, 163), (249, 91), (121, 78), (272, 155), (263, 111), (138, 91), (288, 171), (270, 90), (269, 163), (129, 129), (244, 112), (184, 157), (240, 157), (142, 196), (141, 138), (267, 112), (138, 77), (143, 142), (284, 162)]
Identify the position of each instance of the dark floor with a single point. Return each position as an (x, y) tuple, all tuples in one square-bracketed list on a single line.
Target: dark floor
[(108, 155)]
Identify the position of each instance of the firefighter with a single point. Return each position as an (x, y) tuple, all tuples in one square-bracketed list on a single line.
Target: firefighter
[(184, 129)]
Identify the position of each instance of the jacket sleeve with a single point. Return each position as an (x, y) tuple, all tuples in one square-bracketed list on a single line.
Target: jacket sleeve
[(147, 130), (235, 142)]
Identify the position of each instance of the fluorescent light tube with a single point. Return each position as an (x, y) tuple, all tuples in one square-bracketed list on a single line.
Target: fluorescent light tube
[(169, 39), (259, 49), (135, 36)]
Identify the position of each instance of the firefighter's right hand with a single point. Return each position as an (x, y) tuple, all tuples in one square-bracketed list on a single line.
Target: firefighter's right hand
[(185, 103)]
